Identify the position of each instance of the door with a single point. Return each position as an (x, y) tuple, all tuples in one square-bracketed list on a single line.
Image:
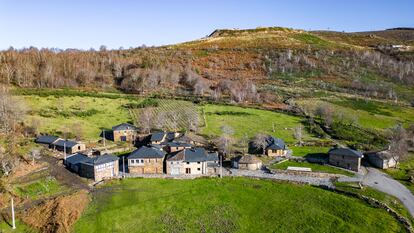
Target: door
[(188, 171), (123, 138)]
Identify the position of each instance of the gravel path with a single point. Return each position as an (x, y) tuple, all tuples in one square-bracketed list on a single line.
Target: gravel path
[(382, 182)]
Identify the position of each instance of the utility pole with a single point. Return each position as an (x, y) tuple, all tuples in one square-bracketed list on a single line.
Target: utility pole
[(123, 166), (64, 153), (13, 220), (221, 167)]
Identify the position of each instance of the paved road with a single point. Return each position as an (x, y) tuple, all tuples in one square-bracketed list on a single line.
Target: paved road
[(382, 182)]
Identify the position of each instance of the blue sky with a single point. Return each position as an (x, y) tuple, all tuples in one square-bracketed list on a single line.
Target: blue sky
[(85, 24)]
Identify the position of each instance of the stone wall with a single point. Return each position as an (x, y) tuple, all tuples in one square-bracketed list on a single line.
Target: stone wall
[(129, 134), (108, 170), (150, 166), (347, 162)]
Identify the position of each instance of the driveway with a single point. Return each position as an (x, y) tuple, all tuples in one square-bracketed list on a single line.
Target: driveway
[(382, 182)]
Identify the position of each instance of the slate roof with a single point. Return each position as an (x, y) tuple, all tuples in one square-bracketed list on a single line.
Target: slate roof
[(212, 156), (346, 152), (385, 154), (190, 155), (66, 143), (157, 136), (275, 144), (46, 139), (146, 152), (93, 161), (178, 144), (76, 158), (102, 159), (124, 126)]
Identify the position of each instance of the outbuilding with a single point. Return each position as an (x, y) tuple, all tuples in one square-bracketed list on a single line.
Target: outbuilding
[(346, 158), (124, 133), (97, 168), (146, 160), (382, 159), (67, 146), (247, 162)]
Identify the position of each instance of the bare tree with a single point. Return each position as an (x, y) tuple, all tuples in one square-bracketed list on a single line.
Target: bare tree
[(298, 133), (12, 110), (77, 130), (224, 144), (398, 144), (145, 120), (227, 130), (260, 141)]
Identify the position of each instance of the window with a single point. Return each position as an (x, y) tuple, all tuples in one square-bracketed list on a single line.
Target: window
[(198, 169), (198, 162), (142, 161), (188, 162), (132, 161), (187, 170), (172, 162)]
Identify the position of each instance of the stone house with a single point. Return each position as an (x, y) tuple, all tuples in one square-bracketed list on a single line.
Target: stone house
[(174, 146), (192, 161), (70, 147), (146, 160), (124, 133), (382, 159), (345, 158), (275, 147), (97, 168), (247, 162), (163, 137)]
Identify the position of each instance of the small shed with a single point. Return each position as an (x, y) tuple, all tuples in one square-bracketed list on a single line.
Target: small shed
[(46, 139), (70, 147), (382, 159), (247, 162)]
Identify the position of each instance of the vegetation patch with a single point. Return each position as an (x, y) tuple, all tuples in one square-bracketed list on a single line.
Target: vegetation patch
[(44, 187), (303, 151), (227, 205)]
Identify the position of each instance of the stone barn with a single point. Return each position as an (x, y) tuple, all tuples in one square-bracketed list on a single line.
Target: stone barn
[(124, 133), (382, 159), (70, 147), (146, 160), (97, 168), (345, 158), (247, 162)]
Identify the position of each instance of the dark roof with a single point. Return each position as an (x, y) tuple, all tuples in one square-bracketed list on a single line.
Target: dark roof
[(346, 152), (247, 159), (212, 156), (66, 143), (178, 144), (124, 126), (46, 139), (145, 152), (76, 158), (275, 143), (170, 136), (157, 136), (385, 154), (190, 155), (102, 159)]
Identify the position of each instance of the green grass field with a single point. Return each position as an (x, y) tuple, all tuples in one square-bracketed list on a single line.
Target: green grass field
[(228, 205), (43, 187), (370, 114), (249, 121), (309, 150), (92, 114), (403, 172), (315, 167), (20, 228)]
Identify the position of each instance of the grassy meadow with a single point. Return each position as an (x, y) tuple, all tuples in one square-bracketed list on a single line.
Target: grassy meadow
[(227, 205), (249, 121), (303, 151), (70, 113)]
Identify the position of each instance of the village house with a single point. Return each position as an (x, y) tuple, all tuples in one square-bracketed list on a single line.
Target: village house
[(382, 159), (174, 146), (46, 139), (345, 158), (124, 133), (146, 160), (275, 147), (247, 162), (163, 137), (97, 168), (194, 161), (67, 146)]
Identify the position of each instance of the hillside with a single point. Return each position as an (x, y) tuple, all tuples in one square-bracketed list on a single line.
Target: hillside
[(272, 58)]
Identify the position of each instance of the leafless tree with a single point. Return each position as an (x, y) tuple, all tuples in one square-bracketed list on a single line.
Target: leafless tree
[(298, 133), (77, 130), (398, 144), (227, 130), (12, 110), (145, 120), (260, 141), (224, 144)]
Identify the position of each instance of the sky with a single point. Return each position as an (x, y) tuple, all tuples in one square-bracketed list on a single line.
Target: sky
[(85, 24)]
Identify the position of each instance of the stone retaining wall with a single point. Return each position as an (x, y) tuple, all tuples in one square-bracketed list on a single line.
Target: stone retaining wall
[(307, 174)]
